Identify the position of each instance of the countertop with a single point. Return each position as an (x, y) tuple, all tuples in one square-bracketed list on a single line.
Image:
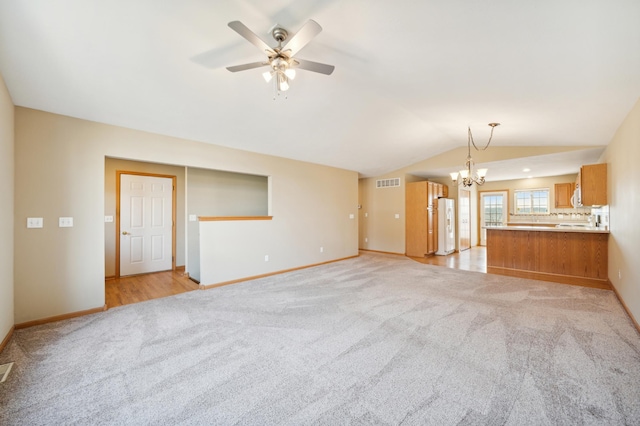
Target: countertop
[(549, 229)]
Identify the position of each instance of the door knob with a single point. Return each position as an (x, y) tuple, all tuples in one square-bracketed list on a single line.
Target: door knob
[(125, 233)]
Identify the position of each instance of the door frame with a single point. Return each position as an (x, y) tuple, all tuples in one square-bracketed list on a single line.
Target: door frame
[(173, 213), (459, 219), (506, 213)]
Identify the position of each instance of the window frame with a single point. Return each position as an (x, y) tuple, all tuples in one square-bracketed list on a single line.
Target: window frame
[(531, 201)]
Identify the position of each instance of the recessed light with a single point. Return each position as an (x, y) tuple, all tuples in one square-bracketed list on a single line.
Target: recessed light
[(526, 170)]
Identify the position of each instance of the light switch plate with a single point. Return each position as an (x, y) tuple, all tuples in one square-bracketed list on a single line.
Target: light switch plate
[(397, 216), (352, 216), (193, 218), (65, 222), (108, 219), (35, 222)]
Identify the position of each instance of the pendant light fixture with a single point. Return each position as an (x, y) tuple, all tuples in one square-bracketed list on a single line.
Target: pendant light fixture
[(469, 175)]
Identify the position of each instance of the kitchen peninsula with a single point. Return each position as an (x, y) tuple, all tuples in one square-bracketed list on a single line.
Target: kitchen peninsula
[(565, 255)]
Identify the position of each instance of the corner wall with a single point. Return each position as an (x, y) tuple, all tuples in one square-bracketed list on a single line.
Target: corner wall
[(60, 171), (623, 187), (6, 210)]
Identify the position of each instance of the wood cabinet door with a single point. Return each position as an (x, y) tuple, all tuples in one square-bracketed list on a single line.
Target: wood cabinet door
[(431, 218), (593, 184), (563, 193), (416, 204)]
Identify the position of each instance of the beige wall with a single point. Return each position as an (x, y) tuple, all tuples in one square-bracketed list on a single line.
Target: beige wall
[(216, 193), (60, 171), (623, 183), (379, 228), (111, 165), (6, 210)]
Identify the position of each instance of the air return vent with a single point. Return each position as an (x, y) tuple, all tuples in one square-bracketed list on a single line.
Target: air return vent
[(388, 183), (4, 371)]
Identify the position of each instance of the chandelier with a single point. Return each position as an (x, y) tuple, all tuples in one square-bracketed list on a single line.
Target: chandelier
[(469, 175)]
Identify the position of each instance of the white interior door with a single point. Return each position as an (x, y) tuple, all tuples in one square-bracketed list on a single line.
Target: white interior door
[(493, 212), (146, 224)]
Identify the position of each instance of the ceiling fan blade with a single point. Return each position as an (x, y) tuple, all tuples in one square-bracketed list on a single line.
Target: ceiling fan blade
[(245, 32), (313, 66), (302, 37), (243, 67)]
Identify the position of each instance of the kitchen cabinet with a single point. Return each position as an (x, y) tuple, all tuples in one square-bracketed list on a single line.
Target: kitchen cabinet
[(592, 181), (571, 257), (563, 194), (421, 209)]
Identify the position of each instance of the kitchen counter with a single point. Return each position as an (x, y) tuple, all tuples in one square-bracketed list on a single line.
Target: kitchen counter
[(550, 228), (568, 256)]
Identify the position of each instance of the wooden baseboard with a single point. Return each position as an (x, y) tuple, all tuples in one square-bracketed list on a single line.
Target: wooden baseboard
[(626, 308), (60, 317), (5, 341), (383, 252), (255, 277), (556, 278), (180, 268), (110, 277)]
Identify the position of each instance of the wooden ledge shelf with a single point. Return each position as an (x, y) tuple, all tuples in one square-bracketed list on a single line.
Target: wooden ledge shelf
[(229, 218)]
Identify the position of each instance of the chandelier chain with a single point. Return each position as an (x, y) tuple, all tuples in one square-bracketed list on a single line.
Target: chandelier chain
[(473, 142)]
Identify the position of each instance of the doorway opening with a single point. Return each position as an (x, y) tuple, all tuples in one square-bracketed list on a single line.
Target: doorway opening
[(464, 219)]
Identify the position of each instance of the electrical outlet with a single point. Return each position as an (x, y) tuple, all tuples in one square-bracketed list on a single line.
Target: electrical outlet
[(366, 240), (366, 215), (266, 257), (321, 249), (352, 216), (397, 216)]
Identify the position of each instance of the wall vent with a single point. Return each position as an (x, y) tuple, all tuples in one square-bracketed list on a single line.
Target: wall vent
[(388, 183), (4, 371)]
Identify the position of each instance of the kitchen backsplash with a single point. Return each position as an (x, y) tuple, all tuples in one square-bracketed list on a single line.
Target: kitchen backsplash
[(600, 214), (581, 214)]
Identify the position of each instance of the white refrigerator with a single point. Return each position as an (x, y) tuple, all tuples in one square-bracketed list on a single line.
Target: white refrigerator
[(446, 227)]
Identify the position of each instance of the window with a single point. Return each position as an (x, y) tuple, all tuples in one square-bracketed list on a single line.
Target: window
[(532, 201), (492, 205)]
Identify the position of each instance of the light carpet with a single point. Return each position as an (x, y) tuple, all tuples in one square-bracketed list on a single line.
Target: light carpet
[(376, 339)]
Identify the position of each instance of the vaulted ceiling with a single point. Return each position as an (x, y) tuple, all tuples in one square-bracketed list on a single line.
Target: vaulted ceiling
[(410, 76)]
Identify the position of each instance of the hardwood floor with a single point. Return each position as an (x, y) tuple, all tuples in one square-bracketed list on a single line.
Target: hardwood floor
[(139, 288), (474, 259)]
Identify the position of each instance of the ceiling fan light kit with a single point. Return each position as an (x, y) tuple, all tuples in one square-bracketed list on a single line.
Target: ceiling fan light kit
[(469, 175), (281, 58)]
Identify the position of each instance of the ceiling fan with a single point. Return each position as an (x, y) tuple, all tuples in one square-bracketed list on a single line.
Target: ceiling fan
[(281, 58)]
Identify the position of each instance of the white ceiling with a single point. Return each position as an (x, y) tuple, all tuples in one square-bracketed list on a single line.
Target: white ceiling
[(410, 75)]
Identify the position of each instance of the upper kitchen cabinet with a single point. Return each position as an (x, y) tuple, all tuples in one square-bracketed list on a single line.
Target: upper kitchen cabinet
[(592, 181), (563, 193)]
